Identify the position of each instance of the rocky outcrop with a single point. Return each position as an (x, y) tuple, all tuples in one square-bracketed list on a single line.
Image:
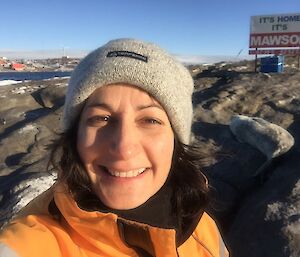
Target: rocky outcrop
[(256, 188), (28, 130), (53, 96)]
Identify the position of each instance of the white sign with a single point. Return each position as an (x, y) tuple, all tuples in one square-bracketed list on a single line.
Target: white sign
[(281, 30)]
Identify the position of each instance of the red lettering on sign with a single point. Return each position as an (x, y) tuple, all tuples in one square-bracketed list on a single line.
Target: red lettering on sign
[(274, 40)]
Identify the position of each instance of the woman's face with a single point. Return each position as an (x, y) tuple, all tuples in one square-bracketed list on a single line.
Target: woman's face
[(126, 143)]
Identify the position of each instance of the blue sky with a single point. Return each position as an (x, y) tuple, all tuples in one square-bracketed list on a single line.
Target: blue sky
[(186, 27)]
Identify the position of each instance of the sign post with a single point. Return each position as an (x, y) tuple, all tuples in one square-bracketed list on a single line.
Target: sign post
[(255, 66), (299, 58)]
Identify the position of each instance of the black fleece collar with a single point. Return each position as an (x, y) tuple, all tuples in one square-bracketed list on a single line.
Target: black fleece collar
[(158, 211)]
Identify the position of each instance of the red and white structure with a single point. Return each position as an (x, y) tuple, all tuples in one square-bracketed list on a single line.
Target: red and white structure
[(275, 31), (17, 66)]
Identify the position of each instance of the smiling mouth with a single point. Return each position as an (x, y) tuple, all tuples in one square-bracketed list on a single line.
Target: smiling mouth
[(124, 174)]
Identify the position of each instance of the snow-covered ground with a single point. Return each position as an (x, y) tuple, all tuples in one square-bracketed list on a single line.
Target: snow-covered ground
[(22, 193), (28, 190)]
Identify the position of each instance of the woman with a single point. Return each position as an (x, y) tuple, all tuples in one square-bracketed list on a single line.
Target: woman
[(128, 182)]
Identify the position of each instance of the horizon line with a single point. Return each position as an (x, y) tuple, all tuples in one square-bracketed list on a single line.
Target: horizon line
[(80, 53)]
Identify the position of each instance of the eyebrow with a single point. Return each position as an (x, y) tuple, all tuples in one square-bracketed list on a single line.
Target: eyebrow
[(100, 105), (109, 108), (141, 107)]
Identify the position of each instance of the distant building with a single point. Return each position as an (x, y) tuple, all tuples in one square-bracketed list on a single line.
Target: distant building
[(64, 59), (2, 62), (17, 66)]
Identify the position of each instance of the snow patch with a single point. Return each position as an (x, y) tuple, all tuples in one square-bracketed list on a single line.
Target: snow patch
[(27, 128), (242, 68), (55, 78), (9, 82), (20, 90), (23, 90), (30, 189)]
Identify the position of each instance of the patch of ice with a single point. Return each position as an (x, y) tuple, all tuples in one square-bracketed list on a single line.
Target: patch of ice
[(60, 84), (66, 77), (30, 189), (242, 68), (27, 128), (20, 90), (39, 86), (54, 78), (9, 82)]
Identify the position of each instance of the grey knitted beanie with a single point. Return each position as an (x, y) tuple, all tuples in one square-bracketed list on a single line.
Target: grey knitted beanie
[(141, 64)]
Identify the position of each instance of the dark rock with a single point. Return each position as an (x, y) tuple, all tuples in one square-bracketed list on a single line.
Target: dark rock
[(53, 96), (267, 220)]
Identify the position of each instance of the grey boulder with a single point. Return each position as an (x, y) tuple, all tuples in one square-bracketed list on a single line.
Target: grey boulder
[(269, 138)]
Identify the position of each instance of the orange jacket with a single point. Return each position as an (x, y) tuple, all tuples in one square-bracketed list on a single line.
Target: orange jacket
[(90, 234)]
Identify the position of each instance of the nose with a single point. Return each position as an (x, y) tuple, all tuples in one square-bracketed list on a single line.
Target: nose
[(124, 140)]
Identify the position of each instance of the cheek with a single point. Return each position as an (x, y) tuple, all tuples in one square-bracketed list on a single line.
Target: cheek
[(163, 150), (86, 141)]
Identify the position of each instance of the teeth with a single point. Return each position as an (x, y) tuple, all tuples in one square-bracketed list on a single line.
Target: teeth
[(126, 174)]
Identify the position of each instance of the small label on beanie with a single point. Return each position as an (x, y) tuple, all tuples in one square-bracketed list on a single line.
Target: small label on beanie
[(128, 54)]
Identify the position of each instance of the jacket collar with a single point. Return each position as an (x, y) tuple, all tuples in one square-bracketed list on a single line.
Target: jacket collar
[(98, 229)]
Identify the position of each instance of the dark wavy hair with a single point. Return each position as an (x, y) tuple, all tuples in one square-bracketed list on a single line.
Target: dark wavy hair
[(190, 194)]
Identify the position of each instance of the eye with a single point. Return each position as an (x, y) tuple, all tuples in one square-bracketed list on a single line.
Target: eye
[(152, 121), (98, 120)]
